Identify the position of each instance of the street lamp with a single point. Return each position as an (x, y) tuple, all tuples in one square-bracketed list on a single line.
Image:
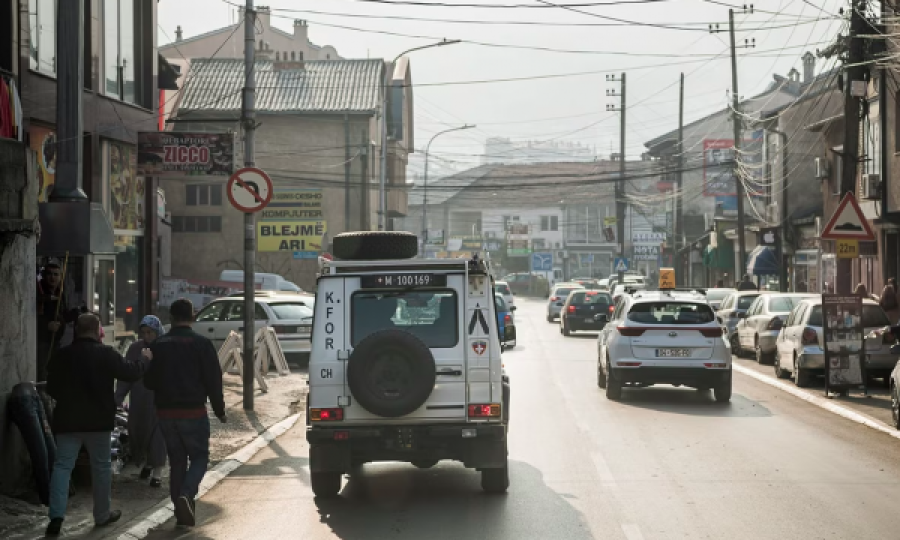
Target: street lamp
[(425, 184), (382, 180)]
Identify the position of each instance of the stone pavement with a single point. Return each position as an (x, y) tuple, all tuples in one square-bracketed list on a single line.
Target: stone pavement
[(23, 519)]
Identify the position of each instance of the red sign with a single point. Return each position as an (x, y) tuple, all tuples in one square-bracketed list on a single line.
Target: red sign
[(249, 189), (848, 222)]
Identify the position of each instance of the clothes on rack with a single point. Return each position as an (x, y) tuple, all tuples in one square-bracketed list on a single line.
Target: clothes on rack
[(10, 109)]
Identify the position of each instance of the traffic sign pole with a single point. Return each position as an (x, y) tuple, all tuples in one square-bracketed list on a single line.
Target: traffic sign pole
[(248, 119)]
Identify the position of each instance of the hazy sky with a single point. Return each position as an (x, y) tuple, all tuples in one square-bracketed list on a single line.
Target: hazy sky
[(566, 108)]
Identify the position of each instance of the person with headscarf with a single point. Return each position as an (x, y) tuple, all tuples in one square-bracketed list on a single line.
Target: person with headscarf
[(145, 438)]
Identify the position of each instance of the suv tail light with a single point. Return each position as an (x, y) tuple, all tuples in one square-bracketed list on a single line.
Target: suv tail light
[(711, 332), (554, 299), (571, 309), (629, 331), (507, 318), (485, 410), (775, 324), (326, 415), (611, 309), (809, 337)]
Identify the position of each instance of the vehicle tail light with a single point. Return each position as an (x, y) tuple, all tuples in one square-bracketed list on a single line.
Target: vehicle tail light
[(611, 309), (485, 410), (628, 331), (809, 337), (326, 415), (775, 324), (507, 318), (711, 332), (715, 364), (341, 435), (554, 299), (628, 364), (571, 309)]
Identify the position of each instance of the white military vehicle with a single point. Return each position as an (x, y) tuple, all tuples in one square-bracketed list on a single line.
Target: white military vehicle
[(405, 363)]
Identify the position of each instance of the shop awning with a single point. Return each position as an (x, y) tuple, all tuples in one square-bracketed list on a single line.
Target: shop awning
[(762, 262)]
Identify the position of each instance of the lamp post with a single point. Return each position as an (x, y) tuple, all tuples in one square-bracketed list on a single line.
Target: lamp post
[(425, 184), (382, 180)]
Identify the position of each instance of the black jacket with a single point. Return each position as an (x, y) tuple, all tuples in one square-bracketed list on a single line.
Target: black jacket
[(81, 378), (185, 372), (747, 286)]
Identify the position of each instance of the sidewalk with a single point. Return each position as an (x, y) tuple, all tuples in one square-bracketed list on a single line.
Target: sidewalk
[(20, 520)]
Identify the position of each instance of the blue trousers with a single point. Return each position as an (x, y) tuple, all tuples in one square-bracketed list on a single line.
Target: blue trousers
[(99, 449), (27, 412), (187, 444)]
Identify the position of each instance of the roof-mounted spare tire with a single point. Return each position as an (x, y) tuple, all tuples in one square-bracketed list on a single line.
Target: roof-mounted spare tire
[(375, 245)]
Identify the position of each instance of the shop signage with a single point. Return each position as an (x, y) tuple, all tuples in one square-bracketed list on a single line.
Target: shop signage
[(464, 243), (299, 204), (645, 253), (185, 154), (844, 342), (648, 238), (126, 187), (435, 237), (43, 142), (289, 236)]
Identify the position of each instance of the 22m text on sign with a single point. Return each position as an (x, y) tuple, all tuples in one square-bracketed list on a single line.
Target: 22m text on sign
[(289, 236)]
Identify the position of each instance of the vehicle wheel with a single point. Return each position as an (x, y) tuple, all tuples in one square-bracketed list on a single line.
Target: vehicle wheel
[(780, 373), (495, 480), (325, 485), (722, 390), (601, 377), (735, 345), (802, 377), (895, 407), (374, 245), (613, 386), (565, 330), (550, 318), (425, 464), (391, 373), (761, 357)]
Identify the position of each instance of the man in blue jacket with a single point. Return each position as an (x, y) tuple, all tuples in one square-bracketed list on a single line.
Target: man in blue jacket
[(184, 373)]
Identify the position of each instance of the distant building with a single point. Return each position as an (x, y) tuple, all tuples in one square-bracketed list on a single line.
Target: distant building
[(503, 150)]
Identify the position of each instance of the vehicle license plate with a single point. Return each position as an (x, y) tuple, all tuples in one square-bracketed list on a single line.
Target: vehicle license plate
[(388, 281), (673, 353), (589, 320)]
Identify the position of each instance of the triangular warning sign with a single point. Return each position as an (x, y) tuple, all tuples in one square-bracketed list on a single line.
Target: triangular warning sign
[(848, 222), (621, 267)]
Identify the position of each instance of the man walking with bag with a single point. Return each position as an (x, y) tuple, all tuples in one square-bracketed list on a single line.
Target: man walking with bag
[(184, 373)]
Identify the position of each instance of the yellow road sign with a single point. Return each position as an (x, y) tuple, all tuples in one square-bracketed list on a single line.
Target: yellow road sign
[(847, 249), (666, 278)]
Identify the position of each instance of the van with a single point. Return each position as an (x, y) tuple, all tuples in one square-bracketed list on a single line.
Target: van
[(264, 281)]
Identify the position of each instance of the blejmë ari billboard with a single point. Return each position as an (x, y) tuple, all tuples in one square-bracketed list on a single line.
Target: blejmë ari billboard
[(289, 236), (185, 154)]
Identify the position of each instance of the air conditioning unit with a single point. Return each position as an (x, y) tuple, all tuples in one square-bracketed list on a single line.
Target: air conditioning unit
[(822, 168), (871, 186)]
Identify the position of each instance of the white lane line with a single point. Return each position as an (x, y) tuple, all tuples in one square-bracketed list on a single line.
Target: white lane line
[(607, 479), (818, 401), (632, 531)]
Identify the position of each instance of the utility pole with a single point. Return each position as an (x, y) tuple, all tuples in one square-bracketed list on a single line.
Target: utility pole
[(347, 165), (737, 123), (854, 89), (679, 181), (248, 120), (620, 185)]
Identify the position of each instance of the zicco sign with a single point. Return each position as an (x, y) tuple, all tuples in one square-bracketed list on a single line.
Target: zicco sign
[(185, 154)]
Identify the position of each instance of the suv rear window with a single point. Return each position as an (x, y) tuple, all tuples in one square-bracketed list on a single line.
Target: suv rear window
[(291, 311), (590, 297), (671, 313), (564, 292), (874, 316), (745, 301), (502, 289), (432, 317)]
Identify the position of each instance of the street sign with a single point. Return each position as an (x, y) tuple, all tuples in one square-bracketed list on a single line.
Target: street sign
[(848, 222), (306, 255), (542, 262), (666, 278), (847, 249), (621, 264), (249, 189)]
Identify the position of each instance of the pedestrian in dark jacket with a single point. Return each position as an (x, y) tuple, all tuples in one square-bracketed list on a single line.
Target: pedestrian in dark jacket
[(747, 284), (55, 310), (81, 378), (185, 372), (144, 436)]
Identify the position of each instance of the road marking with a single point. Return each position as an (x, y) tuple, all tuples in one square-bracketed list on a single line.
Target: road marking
[(818, 401), (607, 479), (632, 531)]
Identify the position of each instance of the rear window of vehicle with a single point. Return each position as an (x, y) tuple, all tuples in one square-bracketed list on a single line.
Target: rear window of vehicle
[(670, 313), (502, 289), (432, 317), (745, 301), (564, 292), (595, 298), (874, 316), (291, 311), (780, 304), (716, 296)]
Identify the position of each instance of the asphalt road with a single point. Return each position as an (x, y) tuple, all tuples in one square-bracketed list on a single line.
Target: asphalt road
[(664, 463)]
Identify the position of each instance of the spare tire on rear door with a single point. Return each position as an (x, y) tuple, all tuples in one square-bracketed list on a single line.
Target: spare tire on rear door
[(374, 245), (391, 373)]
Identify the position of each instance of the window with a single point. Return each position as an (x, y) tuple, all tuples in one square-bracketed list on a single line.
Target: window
[(815, 316), (502, 288), (201, 224), (203, 194), (671, 313), (42, 20), (549, 223), (838, 171), (291, 311), (745, 301), (783, 304), (235, 312), (430, 316), (872, 144), (120, 49), (211, 312), (874, 316)]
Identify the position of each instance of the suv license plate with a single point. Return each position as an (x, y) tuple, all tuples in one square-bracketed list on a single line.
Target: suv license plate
[(673, 353), (589, 320)]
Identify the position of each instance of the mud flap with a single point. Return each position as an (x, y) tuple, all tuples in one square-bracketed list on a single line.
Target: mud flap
[(485, 454), (329, 458)]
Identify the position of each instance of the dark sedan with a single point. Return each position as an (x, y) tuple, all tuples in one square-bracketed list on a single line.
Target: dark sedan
[(585, 310)]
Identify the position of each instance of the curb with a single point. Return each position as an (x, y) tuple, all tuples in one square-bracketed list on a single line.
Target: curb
[(140, 527), (821, 402)]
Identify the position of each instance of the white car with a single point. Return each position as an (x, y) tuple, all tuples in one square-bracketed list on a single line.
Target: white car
[(557, 299), (290, 315), (663, 337), (502, 288), (758, 328)]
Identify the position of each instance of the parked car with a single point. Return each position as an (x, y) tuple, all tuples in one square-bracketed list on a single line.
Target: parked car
[(604, 285), (502, 288), (587, 282), (523, 283), (895, 395), (715, 296), (637, 283), (287, 314), (506, 323), (730, 312), (800, 345), (558, 297), (759, 328), (585, 310)]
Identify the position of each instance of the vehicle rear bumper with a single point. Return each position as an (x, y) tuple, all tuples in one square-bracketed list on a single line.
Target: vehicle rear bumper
[(553, 310), (576, 324), (881, 361), (483, 446), (767, 341), (688, 376), (811, 360)]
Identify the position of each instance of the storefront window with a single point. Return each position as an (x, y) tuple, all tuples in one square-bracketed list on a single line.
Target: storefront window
[(104, 291), (129, 309)]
